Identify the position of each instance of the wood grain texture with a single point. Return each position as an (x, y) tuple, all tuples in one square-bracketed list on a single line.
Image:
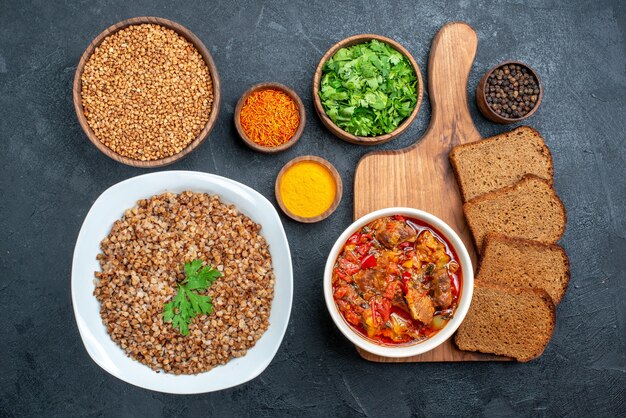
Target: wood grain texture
[(420, 176), (208, 59), (347, 136), (296, 136)]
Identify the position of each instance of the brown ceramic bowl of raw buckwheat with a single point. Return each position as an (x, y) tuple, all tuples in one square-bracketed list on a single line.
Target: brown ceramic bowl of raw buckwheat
[(146, 92)]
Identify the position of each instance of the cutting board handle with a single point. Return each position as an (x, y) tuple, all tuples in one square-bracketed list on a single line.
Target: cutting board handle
[(451, 56)]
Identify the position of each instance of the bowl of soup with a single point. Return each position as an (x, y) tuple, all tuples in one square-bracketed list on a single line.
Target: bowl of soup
[(398, 282)]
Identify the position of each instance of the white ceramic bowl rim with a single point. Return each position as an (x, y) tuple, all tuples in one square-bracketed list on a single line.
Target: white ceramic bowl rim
[(109, 207), (439, 337)]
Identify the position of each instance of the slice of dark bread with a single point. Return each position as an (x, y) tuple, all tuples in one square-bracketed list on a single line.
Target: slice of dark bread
[(529, 209), (507, 321), (518, 262), (500, 161)]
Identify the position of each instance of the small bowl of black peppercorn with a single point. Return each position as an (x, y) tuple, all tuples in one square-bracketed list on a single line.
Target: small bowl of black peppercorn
[(509, 92)]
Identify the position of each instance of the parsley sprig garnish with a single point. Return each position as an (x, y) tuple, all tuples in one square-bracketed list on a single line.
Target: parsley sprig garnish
[(188, 302)]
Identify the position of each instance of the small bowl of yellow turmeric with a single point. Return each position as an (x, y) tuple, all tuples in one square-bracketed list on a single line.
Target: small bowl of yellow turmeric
[(308, 189)]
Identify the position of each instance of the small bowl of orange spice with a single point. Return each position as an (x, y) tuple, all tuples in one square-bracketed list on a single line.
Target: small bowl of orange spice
[(308, 189), (270, 117)]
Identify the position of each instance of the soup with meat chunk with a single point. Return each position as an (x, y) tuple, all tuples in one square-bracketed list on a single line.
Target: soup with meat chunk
[(397, 281)]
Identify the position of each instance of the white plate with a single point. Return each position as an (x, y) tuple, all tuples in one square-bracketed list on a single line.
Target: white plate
[(108, 208)]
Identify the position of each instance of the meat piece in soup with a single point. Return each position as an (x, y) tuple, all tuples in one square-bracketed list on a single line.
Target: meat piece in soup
[(370, 281), (397, 281), (442, 292), (391, 233), (420, 304)]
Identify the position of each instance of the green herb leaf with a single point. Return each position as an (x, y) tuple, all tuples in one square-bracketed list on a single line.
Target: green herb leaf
[(368, 89), (188, 303), (191, 268), (200, 303)]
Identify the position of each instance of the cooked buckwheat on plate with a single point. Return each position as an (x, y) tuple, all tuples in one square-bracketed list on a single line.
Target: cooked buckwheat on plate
[(138, 237), (142, 261)]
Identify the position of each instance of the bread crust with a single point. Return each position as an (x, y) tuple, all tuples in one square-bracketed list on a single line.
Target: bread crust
[(455, 170), (499, 192), (492, 236), (545, 298), (452, 156)]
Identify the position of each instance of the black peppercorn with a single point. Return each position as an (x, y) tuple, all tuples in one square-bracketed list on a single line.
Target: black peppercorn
[(513, 91)]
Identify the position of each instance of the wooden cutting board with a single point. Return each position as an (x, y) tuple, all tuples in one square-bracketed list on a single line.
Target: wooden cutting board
[(420, 176)]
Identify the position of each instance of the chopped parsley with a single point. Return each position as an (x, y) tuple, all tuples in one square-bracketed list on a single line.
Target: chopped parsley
[(368, 89)]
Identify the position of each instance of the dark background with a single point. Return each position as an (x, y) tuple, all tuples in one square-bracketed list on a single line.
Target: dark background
[(51, 174)]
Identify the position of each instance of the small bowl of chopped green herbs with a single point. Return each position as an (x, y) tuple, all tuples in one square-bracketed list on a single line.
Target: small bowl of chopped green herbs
[(367, 89)]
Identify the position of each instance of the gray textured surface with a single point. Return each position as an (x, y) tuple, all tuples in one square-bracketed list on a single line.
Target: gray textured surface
[(51, 174)]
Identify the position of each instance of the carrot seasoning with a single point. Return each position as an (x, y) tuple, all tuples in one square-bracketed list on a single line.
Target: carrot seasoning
[(269, 117)]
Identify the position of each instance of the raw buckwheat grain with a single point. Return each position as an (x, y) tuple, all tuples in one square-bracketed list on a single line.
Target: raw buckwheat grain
[(146, 92)]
